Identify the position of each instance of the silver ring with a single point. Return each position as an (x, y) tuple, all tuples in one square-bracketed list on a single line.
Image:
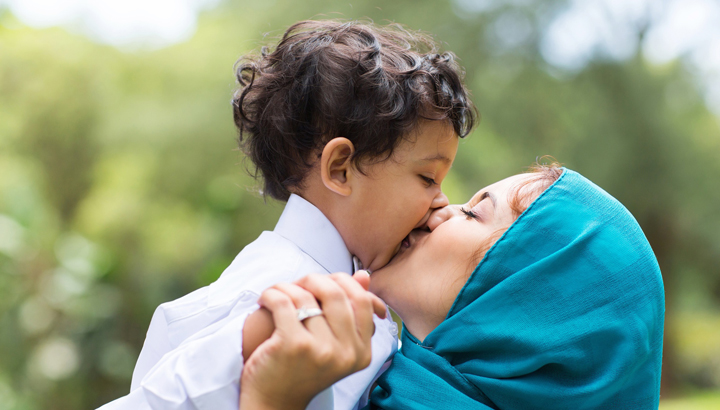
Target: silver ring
[(306, 313)]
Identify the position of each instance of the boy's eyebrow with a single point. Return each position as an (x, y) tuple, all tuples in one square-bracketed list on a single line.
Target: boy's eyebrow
[(438, 157)]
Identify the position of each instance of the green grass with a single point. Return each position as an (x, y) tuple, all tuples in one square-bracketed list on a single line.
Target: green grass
[(700, 401)]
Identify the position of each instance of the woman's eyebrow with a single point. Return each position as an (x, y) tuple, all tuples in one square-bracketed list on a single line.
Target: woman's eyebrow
[(488, 194)]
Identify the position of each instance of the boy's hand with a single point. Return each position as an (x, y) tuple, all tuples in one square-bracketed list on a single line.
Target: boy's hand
[(301, 359)]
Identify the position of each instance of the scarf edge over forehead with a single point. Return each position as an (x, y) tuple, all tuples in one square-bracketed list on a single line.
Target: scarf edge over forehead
[(456, 306), (565, 311)]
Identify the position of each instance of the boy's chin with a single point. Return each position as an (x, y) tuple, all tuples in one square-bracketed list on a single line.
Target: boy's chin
[(377, 264), (380, 261)]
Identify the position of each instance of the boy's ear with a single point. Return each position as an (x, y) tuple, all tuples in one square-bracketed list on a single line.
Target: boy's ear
[(335, 165)]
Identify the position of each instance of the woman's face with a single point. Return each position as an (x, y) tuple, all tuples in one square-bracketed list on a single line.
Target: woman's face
[(422, 281)]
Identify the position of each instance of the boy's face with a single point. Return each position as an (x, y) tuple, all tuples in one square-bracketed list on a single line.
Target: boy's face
[(397, 195)]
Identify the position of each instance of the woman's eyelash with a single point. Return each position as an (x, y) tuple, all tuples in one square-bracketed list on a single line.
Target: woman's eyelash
[(469, 213), (428, 181)]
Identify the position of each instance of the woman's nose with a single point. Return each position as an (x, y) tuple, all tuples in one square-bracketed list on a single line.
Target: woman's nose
[(441, 215)]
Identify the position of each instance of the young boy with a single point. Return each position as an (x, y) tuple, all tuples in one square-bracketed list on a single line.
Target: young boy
[(355, 126)]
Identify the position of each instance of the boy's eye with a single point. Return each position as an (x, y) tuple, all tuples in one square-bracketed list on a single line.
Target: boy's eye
[(469, 213), (429, 181)]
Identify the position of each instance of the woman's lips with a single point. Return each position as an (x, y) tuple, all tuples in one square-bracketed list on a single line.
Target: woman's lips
[(405, 242), (413, 237), (408, 241)]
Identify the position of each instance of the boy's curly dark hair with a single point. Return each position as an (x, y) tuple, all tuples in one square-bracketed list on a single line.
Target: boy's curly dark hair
[(327, 79)]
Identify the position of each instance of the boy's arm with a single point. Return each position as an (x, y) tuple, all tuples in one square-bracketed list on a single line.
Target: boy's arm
[(259, 326)]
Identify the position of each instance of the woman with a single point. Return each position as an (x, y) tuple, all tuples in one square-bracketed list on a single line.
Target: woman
[(564, 310)]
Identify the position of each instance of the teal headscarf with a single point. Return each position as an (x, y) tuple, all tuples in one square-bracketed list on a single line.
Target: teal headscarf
[(565, 311)]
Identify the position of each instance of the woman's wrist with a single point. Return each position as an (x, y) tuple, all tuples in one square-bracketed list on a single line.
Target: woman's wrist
[(251, 401), (263, 395)]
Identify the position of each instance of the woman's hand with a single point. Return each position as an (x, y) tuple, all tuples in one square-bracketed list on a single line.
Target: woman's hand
[(301, 359)]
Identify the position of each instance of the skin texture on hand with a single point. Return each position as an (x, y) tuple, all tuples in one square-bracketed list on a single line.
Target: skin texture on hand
[(301, 359)]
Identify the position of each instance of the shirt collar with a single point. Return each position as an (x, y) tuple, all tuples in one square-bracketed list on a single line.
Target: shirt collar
[(304, 225)]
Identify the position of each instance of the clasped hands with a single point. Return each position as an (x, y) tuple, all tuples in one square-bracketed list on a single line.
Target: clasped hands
[(300, 359)]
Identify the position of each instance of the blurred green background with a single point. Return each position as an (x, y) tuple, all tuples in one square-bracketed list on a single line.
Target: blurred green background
[(121, 187)]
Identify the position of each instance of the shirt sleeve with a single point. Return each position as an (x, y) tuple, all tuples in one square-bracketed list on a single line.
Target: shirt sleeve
[(156, 344), (135, 401), (203, 373)]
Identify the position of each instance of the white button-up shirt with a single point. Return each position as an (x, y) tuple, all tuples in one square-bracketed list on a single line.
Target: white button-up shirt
[(192, 356)]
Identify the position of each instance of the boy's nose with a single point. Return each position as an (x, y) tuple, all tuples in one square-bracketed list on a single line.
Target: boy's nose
[(439, 201)]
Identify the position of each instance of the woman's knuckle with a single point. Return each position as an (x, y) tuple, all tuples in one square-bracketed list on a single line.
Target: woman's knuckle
[(334, 293), (315, 277), (365, 359), (325, 356), (366, 299), (285, 302), (301, 346), (350, 361)]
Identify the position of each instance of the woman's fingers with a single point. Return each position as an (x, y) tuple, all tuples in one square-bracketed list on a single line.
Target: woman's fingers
[(299, 296), (294, 364), (362, 304), (336, 306), (349, 312), (320, 349), (282, 308), (363, 278), (304, 299)]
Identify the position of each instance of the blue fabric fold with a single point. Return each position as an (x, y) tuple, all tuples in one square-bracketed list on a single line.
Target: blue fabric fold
[(565, 311)]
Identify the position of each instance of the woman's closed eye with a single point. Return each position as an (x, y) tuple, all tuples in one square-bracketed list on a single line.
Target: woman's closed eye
[(469, 213), (474, 205)]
